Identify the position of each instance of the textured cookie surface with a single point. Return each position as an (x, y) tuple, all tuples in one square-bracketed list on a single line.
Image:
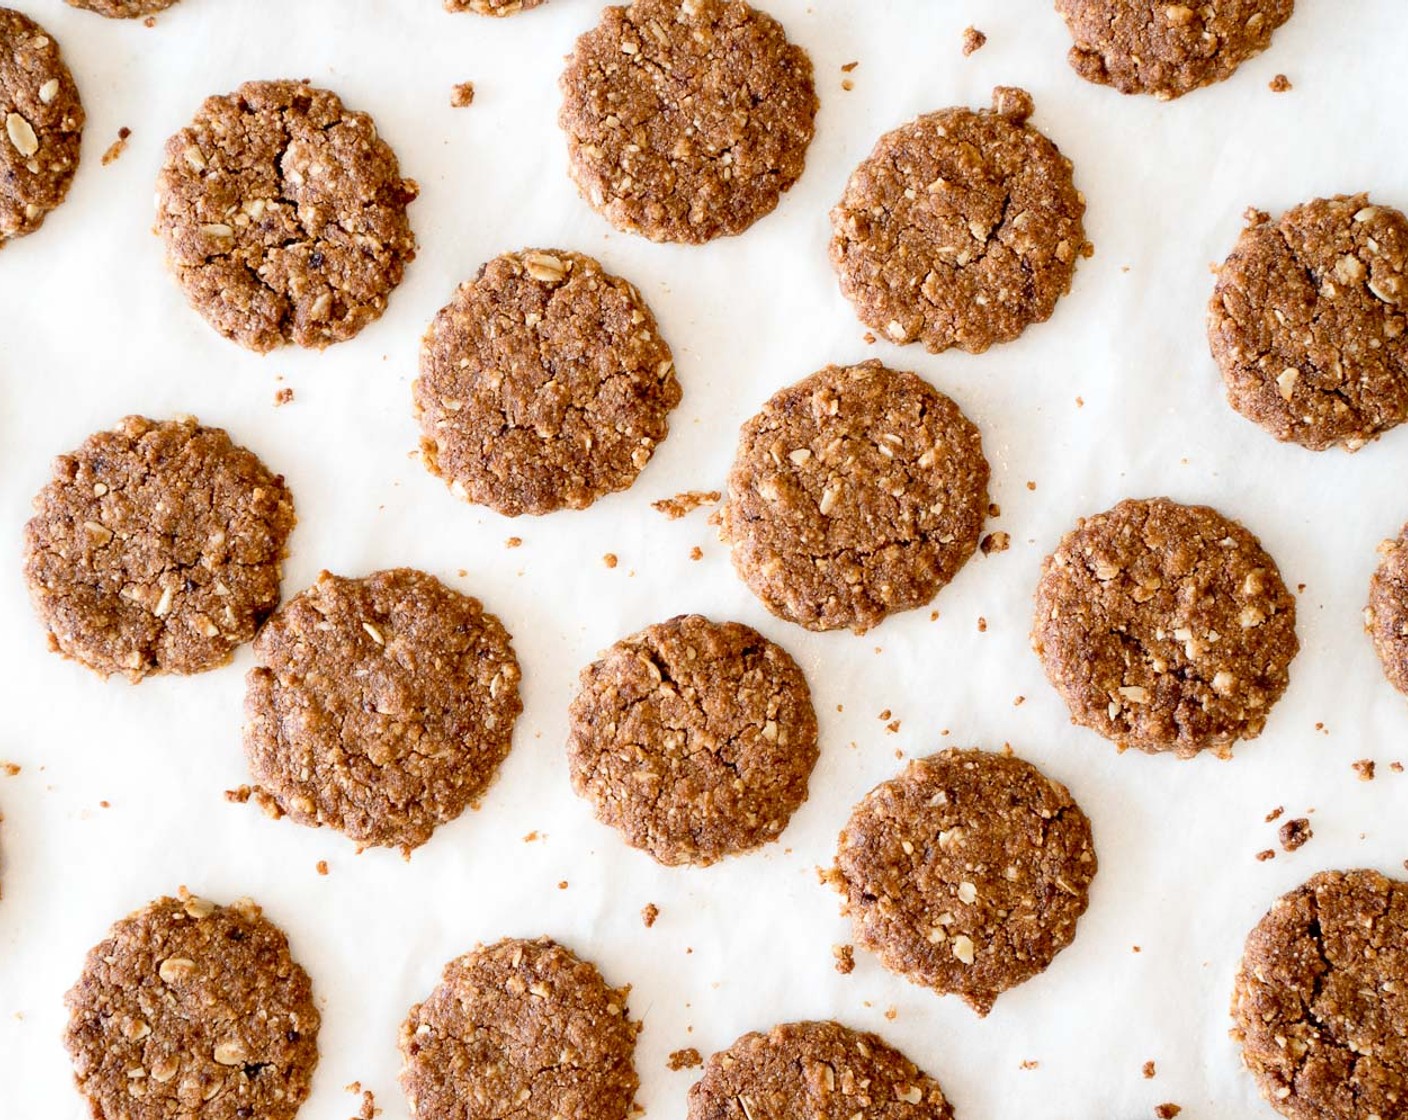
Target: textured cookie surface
[(123, 9), (543, 385), (189, 1009), (961, 228), (967, 873), (1386, 616), (1321, 1000), (1309, 322), (1165, 627), (686, 120), (1152, 46), (858, 492), (381, 707), (520, 1029), (819, 1070), (43, 119), (695, 739), (156, 548), (284, 216), (491, 7)]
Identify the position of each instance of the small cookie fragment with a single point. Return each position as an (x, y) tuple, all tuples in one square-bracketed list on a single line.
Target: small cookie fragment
[(462, 95), (648, 914), (1386, 616), (685, 503), (688, 1058), (117, 147), (845, 958), (1364, 767), (973, 40), (1280, 84), (1167, 1111), (491, 7), (123, 9), (1295, 833), (522, 1029)]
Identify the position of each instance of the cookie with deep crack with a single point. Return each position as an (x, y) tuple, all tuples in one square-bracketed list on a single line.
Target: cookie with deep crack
[(123, 9), (284, 216), (544, 385), (1386, 616)]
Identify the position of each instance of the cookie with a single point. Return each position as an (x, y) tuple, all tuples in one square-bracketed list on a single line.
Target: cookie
[(1151, 46), (816, 1070), (544, 385), (156, 548), (284, 216), (1165, 627), (686, 120), (522, 1029), (1320, 1003), (1386, 616), (380, 707), (856, 493), (191, 1009), (961, 228), (123, 9), (1309, 322), (43, 125), (695, 739), (967, 873), (491, 7)]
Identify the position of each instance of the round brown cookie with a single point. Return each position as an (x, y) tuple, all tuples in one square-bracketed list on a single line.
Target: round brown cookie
[(961, 228), (491, 7), (43, 124), (1165, 627), (816, 1070), (695, 739), (967, 873), (543, 385), (381, 707), (520, 1029), (1321, 1000), (1152, 46), (157, 548), (1386, 616), (1309, 322), (189, 1009), (857, 492), (284, 216), (123, 9), (686, 120)]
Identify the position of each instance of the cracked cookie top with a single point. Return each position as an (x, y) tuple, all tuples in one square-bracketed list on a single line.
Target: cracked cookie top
[(381, 707), (855, 493), (544, 384), (192, 1009), (1320, 1002), (1309, 322), (156, 548), (1165, 627), (686, 120), (284, 216), (123, 9), (695, 739), (967, 873), (961, 228), (521, 1029)]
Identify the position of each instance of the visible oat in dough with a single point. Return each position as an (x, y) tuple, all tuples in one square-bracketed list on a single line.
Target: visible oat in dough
[(961, 228), (1386, 616), (381, 707), (123, 9), (284, 216), (967, 873), (156, 548), (686, 120), (856, 493), (1165, 627), (693, 738), (189, 1009), (520, 1029), (1320, 1003), (544, 385), (1309, 322)]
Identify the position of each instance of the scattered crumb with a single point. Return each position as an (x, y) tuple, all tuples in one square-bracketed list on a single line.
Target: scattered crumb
[(933, 616), (1396, 767), (848, 67), (1280, 83), (239, 795), (149, 22), (514, 542), (562, 886), (685, 502), (1266, 854), (994, 510), (696, 553), (104, 804), (688, 1058), (1295, 833), (847, 84), (995, 542), (1301, 588), (369, 1110), (648, 913), (531, 837), (1018, 701), (282, 397), (868, 338), (1365, 769), (1275, 813), (1137, 949), (610, 560), (982, 625), (118, 146), (322, 867), (1031, 485), (1321, 727), (973, 40), (462, 95), (886, 714), (463, 572), (1167, 1111), (892, 1013), (845, 958), (354, 1087), (893, 727), (11, 769), (1149, 1070), (1031, 1064), (1080, 402)]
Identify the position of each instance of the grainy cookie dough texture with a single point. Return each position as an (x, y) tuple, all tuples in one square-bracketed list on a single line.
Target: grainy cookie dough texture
[(284, 216), (967, 873), (1152, 46), (1309, 322), (961, 228), (123, 9), (1165, 627), (817, 1070), (1321, 1000), (381, 707), (156, 548), (520, 1029), (43, 119), (1386, 616), (686, 120), (858, 492), (543, 385), (695, 739), (189, 1009)]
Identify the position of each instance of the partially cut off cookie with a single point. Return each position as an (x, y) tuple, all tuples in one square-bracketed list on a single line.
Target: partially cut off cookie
[(123, 9)]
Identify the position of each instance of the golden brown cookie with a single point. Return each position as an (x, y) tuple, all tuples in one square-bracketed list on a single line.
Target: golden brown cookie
[(491, 7), (123, 9), (544, 384), (1386, 616)]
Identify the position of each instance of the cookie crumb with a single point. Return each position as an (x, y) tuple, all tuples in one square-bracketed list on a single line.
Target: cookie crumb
[(1275, 813), (1018, 701), (322, 867), (696, 553), (462, 95), (352, 1087), (893, 727), (847, 84), (118, 146), (514, 542), (1396, 767), (1031, 1063), (610, 560), (1031, 485), (848, 67), (1295, 833), (688, 1058), (891, 1013), (149, 22), (1266, 854), (982, 625), (239, 795), (995, 542), (1365, 769), (282, 397), (562, 886), (685, 502), (868, 338), (528, 839), (1280, 84), (973, 40), (1167, 1111), (886, 714), (845, 958), (649, 912), (1149, 1070), (11, 769), (369, 1110)]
